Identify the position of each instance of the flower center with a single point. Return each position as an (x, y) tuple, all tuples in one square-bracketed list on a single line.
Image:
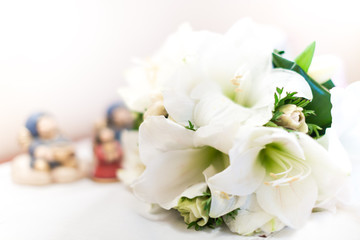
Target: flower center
[(283, 167)]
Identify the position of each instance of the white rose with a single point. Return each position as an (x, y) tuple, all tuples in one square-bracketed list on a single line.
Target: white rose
[(292, 118)]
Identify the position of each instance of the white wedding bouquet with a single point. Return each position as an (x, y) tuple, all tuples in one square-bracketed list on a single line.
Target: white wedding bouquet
[(234, 133)]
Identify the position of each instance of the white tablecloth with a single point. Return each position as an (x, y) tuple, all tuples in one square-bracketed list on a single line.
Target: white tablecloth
[(86, 210)]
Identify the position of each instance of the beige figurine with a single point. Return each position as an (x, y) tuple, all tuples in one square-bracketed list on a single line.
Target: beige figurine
[(50, 159)]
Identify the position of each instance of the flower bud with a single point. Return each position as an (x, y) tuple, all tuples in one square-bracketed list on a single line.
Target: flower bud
[(157, 107), (193, 210), (292, 118)]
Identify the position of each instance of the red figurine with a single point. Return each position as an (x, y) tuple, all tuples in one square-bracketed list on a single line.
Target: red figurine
[(109, 155), (107, 146)]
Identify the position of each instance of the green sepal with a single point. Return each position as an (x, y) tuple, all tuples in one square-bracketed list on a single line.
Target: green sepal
[(305, 58), (321, 103)]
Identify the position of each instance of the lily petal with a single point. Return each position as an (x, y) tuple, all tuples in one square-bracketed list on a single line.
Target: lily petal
[(243, 176), (292, 204), (195, 190), (167, 177), (249, 219), (154, 130), (218, 136), (223, 203), (216, 108), (179, 106), (328, 171), (167, 145), (291, 82), (261, 136), (273, 225)]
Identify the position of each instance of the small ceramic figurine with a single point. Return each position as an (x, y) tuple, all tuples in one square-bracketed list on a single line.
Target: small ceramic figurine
[(108, 154), (119, 118), (51, 157), (107, 148)]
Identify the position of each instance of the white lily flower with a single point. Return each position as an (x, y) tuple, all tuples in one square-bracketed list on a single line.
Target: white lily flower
[(236, 82), (149, 77), (177, 166), (216, 108), (243, 51), (289, 172), (173, 162), (217, 117)]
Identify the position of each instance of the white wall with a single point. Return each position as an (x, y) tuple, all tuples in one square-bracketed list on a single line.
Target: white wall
[(67, 57)]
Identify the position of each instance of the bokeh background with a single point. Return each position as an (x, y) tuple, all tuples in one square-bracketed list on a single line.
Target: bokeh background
[(68, 57)]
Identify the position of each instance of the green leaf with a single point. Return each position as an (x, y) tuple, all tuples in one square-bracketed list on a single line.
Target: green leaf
[(138, 119), (308, 112), (233, 213), (314, 129), (328, 84), (321, 97), (305, 58), (191, 126), (271, 124), (280, 52)]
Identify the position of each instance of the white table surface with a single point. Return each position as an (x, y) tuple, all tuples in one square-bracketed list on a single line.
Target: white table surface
[(86, 210)]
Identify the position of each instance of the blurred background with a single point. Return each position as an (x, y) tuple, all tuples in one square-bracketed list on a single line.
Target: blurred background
[(68, 57)]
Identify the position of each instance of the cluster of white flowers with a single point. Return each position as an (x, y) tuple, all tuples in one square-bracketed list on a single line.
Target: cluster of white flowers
[(205, 141)]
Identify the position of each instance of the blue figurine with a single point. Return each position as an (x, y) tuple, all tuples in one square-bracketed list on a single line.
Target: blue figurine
[(118, 118)]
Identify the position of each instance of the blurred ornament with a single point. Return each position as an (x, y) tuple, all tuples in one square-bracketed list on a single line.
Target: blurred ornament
[(107, 148), (51, 157)]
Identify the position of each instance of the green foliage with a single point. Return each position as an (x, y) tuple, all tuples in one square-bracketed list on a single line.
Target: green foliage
[(308, 112), (212, 222), (305, 58), (271, 124), (207, 202), (191, 126), (291, 99), (207, 193), (207, 205), (233, 214), (314, 130), (138, 119), (328, 84), (280, 52), (304, 61), (321, 97), (196, 226), (288, 99)]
